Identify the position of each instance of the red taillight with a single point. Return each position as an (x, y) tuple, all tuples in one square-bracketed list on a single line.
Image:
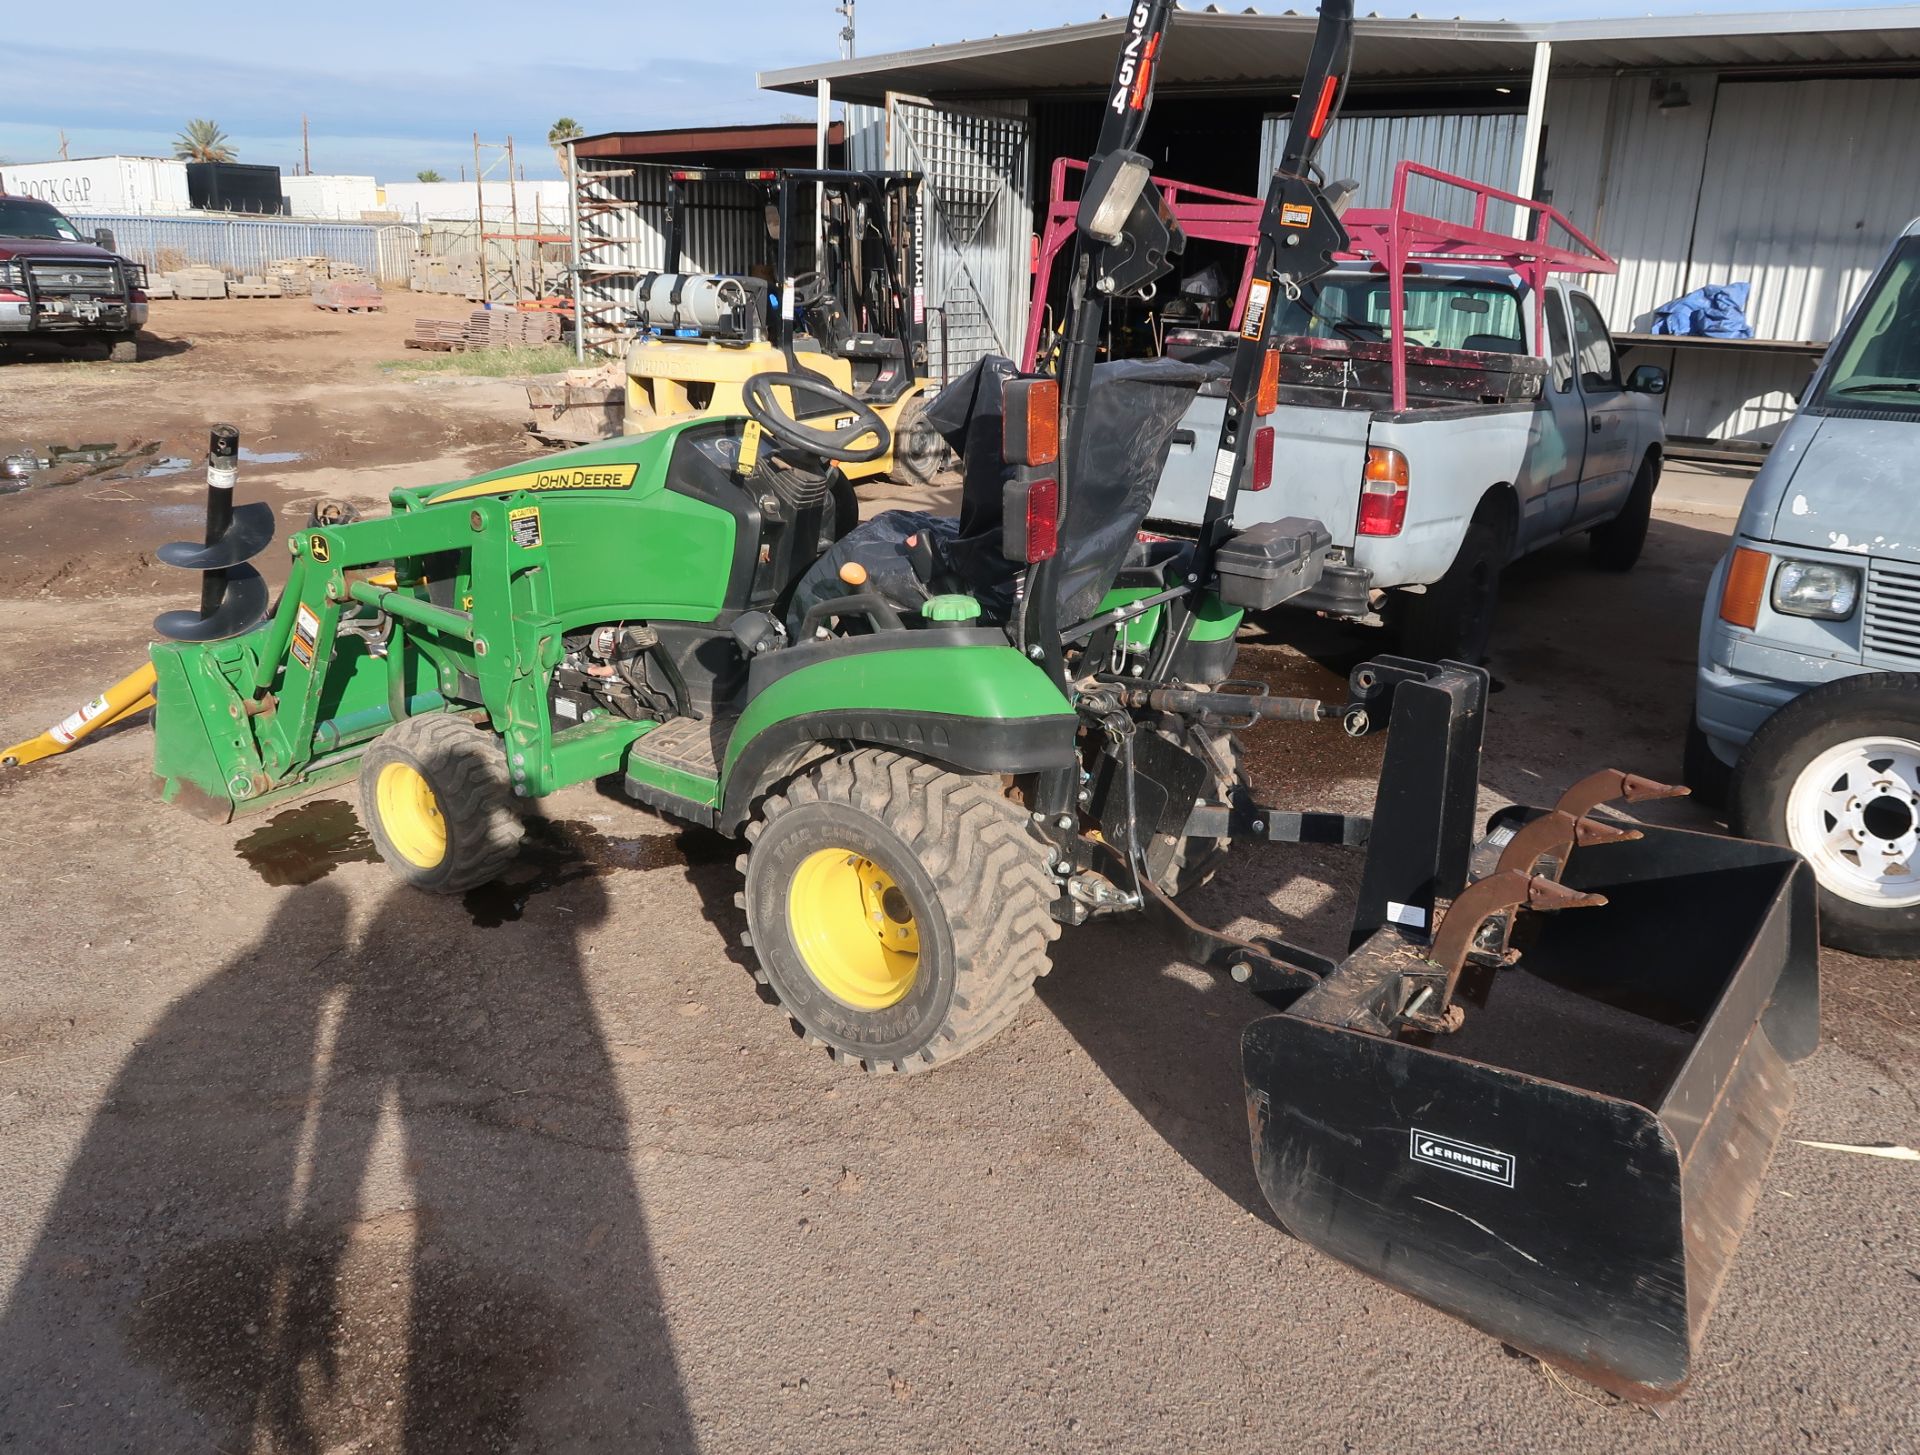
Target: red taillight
[(1262, 475), (1043, 519), (1267, 398), (1383, 493)]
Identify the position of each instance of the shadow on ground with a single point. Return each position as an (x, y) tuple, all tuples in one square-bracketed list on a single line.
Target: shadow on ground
[(362, 1191)]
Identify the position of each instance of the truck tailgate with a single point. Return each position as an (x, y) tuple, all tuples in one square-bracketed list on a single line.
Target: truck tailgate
[(1317, 458)]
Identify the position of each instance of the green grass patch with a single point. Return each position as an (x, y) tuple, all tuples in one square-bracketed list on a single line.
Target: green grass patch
[(488, 363)]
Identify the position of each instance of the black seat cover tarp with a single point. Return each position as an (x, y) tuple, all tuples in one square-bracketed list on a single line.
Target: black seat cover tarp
[(1134, 409)]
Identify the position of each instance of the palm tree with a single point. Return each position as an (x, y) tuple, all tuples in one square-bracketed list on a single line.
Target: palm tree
[(202, 141), (428, 176), (559, 134)]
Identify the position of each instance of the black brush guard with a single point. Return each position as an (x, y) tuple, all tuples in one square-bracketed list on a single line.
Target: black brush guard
[(1568, 1160)]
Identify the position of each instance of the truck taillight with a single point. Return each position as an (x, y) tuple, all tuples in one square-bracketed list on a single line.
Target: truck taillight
[(1383, 493), (1261, 475)]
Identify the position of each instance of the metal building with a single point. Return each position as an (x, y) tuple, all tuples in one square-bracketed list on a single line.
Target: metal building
[(1772, 149)]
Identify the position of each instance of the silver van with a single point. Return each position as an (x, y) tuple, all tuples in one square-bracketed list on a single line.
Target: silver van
[(1807, 694)]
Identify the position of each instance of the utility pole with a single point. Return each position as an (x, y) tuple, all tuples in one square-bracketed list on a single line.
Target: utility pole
[(63, 146), (306, 151), (845, 7)]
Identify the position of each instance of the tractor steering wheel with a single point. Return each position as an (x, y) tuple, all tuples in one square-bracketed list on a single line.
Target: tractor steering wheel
[(836, 444)]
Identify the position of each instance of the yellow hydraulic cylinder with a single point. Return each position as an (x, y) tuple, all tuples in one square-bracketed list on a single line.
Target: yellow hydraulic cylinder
[(129, 695)]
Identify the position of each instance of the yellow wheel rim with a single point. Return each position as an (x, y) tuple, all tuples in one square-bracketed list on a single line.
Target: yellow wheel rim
[(854, 929), (410, 815)]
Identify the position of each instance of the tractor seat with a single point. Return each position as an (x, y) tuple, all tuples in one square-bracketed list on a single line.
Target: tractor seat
[(1135, 407)]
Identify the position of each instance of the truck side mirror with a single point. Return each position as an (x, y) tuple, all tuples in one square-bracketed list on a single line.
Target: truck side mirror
[(1647, 379), (103, 238)]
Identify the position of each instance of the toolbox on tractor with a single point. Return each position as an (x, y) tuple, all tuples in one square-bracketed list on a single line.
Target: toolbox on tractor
[(1539, 1092)]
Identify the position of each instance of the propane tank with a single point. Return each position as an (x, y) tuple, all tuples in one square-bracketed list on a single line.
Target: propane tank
[(704, 301)]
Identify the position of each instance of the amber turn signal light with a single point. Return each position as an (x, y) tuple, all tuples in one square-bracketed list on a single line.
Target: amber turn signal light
[(1746, 583), (1030, 422)]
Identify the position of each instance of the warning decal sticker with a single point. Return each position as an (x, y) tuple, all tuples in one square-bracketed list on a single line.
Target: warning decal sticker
[(523, 524), (1296, 214), (306, 631), (1256, 319)]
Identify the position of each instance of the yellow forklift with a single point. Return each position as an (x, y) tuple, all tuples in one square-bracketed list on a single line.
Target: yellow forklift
[(856, 318)]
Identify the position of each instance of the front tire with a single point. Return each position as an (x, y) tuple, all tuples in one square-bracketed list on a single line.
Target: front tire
[(1835, 775), (1616, 544), (898, 909), (437, 799)]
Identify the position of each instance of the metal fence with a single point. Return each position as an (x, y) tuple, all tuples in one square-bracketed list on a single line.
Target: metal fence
[(251, 244)]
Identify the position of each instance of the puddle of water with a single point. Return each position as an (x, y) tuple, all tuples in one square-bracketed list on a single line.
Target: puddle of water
[(30, 467), (556, 853), (303, 844)]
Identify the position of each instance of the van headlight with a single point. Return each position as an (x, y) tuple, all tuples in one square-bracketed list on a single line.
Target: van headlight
[(1816, 589)]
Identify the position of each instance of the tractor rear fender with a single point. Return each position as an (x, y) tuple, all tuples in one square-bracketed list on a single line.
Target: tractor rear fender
[(959, 696)]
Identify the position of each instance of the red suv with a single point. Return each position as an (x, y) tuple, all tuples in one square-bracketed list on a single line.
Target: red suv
[(55, 285)]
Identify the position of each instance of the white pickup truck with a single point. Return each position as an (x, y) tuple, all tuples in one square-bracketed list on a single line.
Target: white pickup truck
[(1504, 444)]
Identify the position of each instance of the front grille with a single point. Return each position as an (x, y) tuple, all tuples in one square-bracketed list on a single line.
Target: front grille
[(1891, 637), (57, 276)]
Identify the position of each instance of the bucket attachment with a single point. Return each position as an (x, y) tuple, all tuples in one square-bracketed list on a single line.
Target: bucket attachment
[(233, 597), (1568, 1164)]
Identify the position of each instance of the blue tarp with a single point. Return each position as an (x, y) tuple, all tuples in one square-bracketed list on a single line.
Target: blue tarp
[(1718, 310)]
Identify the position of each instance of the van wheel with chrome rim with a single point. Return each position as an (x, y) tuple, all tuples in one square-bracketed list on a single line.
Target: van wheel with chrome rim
[(898, 909), (1835, 775), (438, 801)]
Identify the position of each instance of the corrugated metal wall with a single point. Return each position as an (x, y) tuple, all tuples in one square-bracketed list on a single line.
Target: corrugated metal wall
[(1796, 187), (1627, 173), (1839, 177), (623, 234), (866, 132), (977, 223), (244, 245), (1485, 148)]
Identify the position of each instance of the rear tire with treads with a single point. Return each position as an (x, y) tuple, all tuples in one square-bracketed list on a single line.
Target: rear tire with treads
[(919, 453), (437, 798), (943, 854)]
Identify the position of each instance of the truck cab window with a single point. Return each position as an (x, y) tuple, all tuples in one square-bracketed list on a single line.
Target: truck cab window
[(1599, 370), (1559, 346), (29, 219), (1440, 313)]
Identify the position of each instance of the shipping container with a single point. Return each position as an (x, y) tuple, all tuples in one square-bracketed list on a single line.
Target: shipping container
[(103, 184), (335, 198)]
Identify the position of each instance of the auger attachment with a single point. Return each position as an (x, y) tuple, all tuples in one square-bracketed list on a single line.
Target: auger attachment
[(233, 597)]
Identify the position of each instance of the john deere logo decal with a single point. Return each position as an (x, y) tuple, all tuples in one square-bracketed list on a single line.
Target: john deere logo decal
[(569, 477), (317, 547), (1462, 1157)]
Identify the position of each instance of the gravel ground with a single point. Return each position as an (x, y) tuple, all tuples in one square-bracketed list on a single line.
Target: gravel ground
[(299, 1162)]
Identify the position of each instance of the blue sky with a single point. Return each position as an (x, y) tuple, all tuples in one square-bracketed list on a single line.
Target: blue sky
[(392, 88)]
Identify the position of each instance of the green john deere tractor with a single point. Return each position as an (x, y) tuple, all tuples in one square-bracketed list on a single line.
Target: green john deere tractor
[(1540, 1092)]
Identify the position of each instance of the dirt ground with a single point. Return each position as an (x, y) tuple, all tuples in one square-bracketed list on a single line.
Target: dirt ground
[(296, 1161)]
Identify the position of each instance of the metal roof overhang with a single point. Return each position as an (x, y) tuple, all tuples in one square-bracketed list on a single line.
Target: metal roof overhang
[(705, 141), (1213, 50)]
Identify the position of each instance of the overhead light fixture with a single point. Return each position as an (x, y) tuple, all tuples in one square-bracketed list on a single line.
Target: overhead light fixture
[(1669, 95)]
